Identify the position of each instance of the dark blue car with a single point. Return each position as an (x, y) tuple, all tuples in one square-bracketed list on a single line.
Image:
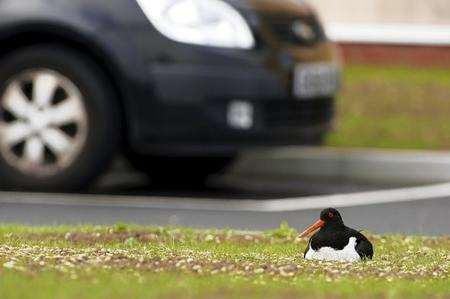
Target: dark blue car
[(177, 86)]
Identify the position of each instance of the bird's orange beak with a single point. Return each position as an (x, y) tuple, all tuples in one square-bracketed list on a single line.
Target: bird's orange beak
[(307, 232)]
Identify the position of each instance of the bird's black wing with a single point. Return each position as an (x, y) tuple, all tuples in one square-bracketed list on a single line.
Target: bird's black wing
[(364, 249), (363, 246)]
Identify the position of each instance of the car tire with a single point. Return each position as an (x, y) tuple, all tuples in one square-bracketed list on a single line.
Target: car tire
[(181, 171), (60, 125)]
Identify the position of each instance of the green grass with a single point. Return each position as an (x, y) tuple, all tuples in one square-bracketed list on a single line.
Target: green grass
[(149, 262), (394, 107)]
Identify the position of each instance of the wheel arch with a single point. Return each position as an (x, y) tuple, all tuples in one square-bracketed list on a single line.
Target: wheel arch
[(29, 35)]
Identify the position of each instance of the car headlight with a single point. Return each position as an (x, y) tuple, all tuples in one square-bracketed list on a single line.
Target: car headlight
[(201, 22)]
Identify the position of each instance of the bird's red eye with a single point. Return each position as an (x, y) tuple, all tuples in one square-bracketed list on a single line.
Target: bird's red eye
[(330, 215)]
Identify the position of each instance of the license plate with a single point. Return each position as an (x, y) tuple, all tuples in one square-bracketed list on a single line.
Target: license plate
[(316, 80)]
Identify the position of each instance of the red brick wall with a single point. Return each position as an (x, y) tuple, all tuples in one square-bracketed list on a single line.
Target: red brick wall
[(396, 54)]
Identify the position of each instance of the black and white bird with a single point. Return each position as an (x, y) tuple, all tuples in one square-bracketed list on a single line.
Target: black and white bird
[(334, 241)]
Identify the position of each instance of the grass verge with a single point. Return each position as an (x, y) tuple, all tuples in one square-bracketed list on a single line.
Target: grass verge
[(394, 107), (136, 262)]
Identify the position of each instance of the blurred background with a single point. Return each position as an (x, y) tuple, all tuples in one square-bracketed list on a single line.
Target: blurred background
[(396, 85), (395, 96)]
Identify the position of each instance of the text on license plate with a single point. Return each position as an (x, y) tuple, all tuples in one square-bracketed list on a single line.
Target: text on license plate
[(316, 80)]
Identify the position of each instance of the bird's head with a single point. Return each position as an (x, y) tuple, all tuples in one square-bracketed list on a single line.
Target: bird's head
[(331, 217), (328, 218)]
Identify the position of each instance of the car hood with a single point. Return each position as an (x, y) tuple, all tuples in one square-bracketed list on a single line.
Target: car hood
[(282, 7)]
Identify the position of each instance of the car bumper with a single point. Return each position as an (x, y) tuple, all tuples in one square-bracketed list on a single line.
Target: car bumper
[(190, 111)]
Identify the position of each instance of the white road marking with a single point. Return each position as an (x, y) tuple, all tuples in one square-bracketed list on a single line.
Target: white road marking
[(426, 193)]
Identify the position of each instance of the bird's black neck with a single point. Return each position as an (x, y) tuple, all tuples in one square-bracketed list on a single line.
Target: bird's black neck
[(334, 226)]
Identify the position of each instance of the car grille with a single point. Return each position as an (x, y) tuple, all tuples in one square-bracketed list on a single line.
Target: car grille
[(298, 112), (304, 31)]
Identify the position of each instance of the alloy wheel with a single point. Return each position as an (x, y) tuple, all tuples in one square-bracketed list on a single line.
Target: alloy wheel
[(43, 122)]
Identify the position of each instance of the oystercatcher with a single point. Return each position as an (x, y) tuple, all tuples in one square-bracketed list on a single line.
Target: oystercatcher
[(334, 241)]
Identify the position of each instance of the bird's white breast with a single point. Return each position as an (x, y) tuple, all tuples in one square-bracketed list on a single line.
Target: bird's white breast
[(347, 254)]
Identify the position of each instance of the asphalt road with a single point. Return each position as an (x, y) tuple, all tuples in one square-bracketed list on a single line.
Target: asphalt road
[(231, 187), (239, 203)]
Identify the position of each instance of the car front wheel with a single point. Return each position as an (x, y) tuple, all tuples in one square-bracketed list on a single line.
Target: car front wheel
[(59, 125)]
